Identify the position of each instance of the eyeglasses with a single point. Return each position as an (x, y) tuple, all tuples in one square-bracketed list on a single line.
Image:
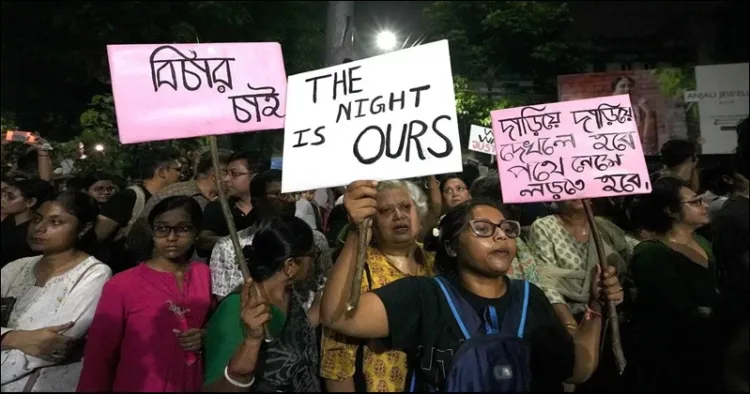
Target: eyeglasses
[(8, 196), (236, 175), (103, 189), (182, 231), (484, 228), (696, 201)]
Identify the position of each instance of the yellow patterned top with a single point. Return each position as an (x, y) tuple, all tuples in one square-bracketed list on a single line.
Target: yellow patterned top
[(383, 371)]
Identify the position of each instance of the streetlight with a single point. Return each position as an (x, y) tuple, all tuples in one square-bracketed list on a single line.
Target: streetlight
[(99, 148), (386, 40)]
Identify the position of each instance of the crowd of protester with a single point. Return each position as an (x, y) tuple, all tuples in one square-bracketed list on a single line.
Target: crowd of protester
[(108, 287)]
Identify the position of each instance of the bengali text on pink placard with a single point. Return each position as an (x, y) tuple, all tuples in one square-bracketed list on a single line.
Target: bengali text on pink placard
[(170, 91), (569, 150)]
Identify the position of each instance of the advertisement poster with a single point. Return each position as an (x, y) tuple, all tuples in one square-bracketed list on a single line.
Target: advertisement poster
[(703, 104)]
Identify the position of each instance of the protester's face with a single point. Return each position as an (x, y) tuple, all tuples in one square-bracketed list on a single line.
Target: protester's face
[(174, 234), (571, 206), (273, 192), (302, 266), (454, 192), (53, 229), (173, 172), (487, 256), (12, 200), (694, 208), (237, 180), (101, 191), (624, 86), (397, 220)]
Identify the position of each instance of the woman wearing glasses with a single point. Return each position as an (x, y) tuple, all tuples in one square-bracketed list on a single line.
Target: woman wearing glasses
[(478, 245), (281, 254), (101, 187), (675, 311), (398, 209), (147, 331)]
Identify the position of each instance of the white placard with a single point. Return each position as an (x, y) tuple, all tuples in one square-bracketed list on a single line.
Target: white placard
[(481, 140), (387, 117)]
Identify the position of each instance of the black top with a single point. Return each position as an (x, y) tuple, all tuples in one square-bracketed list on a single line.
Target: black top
[(120, 207), (213, 218), (421, 323), (290, 363), (13, 241), (729, 229), (675, 318)]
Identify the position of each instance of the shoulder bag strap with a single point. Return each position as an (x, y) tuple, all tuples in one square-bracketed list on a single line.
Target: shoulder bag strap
[(514, 322), (466, 317), (140, 203)]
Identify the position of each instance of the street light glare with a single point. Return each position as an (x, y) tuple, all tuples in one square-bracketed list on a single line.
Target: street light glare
[(386, 40), (99, 147)]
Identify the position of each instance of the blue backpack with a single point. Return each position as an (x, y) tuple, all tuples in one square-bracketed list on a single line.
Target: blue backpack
[(492, 357)]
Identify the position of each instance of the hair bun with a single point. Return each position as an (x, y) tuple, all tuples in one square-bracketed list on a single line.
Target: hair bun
[(249, 253)]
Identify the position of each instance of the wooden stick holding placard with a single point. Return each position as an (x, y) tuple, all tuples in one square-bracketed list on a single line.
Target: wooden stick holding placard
[(611, 308), (359, 268), (238, 255)]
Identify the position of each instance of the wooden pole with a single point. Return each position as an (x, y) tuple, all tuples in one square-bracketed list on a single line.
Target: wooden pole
[(339, 49), (356, 289), (239, 257), (611, 307)]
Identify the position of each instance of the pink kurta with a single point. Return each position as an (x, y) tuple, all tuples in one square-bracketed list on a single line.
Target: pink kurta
[(131, 346)]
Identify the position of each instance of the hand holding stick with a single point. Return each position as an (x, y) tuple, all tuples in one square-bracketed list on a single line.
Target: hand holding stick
[(356, 290), (238, 255), (611, 308)]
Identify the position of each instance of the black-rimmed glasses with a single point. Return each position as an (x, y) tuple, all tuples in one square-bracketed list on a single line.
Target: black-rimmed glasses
[(484, 228), (182, 231)]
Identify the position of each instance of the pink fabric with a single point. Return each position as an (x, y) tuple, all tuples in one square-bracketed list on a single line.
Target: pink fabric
[(131, 346)]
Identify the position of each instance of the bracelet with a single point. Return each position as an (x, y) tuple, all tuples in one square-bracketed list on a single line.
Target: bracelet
[(572, 327), (590, 314), (236, 383)]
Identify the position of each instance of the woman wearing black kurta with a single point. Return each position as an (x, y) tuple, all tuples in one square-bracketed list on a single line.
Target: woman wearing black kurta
[(677, 298)]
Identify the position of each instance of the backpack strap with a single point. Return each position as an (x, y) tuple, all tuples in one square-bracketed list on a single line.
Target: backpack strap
[(140, 203), (514, 322), (466, 317)]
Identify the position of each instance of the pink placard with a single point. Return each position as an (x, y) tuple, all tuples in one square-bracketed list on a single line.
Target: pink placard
[(169, 91), (569, 150)]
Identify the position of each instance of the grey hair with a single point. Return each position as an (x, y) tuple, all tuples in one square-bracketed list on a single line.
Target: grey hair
[(417, 195)]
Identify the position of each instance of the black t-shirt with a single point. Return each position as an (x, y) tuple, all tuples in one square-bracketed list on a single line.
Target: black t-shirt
[(13, 243), (421, 323), (120, 207), (213, 218)]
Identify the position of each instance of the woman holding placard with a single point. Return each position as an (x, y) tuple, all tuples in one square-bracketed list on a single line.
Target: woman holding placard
[(281, 255), (566, 257), (349, 364)]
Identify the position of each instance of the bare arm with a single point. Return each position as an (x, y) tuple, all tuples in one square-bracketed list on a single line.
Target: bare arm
[(563, 313), (343, 386), (105, 227), (369, 319), (313, 314), (241, 368), (587, 337), (586, 342), (44, 164)]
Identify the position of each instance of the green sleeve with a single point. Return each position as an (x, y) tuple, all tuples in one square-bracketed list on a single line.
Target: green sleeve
[(223, 336)]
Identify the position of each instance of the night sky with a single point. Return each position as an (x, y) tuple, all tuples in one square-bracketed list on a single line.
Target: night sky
[(404, 18)]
